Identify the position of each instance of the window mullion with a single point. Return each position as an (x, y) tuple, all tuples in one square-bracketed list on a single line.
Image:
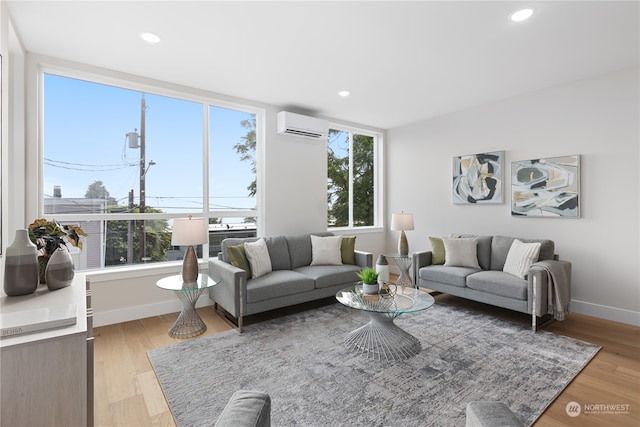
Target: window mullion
[(350, 179)]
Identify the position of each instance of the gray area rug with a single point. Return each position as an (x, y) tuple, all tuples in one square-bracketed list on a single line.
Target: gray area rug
[(313, 380)]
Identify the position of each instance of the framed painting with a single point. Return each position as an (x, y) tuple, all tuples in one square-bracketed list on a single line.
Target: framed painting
[(546, 187), (478, 178)]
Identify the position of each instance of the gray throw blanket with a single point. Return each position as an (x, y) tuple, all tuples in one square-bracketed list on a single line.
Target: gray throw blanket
[(559, 286)]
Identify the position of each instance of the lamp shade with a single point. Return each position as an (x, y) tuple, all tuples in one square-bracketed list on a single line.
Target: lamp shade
[(190, 231), (402, 221)]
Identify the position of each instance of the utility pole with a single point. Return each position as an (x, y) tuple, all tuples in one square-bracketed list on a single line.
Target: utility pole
[(143, 237)]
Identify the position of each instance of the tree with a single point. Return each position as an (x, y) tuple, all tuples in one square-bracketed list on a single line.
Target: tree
[(338, 179), (97, 190), (158, 239), (247, 150)]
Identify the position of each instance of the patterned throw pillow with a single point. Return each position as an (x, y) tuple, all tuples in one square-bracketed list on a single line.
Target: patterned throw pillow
[(520, 257), (258, 256)]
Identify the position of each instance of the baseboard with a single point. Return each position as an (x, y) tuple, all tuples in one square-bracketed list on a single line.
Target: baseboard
[(143, 311), (606, 312)]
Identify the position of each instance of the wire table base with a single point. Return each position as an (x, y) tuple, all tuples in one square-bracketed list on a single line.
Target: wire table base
[(188, 324), (381, 339)]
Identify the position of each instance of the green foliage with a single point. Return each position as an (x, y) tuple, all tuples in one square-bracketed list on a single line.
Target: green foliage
[(97, 190), (50, 235), (247, 150), (368, 275), (338, 179)]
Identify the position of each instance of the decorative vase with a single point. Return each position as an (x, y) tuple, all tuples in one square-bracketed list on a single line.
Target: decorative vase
[(21, 266), (382, 268), (370, 289), (59, 271), (42, 267)]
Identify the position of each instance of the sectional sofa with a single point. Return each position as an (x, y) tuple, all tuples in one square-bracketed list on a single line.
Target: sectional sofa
[(293, 270)]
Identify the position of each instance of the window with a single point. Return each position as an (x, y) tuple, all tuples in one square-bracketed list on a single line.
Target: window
[(122, 164), (351, 173)]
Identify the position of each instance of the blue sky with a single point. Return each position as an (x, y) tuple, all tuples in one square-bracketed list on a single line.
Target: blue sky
[(84, 141)]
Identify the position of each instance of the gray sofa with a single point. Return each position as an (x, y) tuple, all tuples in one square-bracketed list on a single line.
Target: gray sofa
[(292, 281), (491, 285), (246, 408)]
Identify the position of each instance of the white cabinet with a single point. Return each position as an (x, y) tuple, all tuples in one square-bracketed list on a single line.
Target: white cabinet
[(46, 377)]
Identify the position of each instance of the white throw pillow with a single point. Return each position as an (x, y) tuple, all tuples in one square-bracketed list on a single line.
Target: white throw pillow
[(326, 250), (461, 252), (520, 257), (258, 257)]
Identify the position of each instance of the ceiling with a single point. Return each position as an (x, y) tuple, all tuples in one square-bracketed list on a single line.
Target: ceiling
[(401, 61)]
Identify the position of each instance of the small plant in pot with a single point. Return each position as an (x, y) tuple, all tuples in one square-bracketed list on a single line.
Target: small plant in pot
[(369, 278)]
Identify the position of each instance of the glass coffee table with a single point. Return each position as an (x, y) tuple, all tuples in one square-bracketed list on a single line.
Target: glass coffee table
[(381, 338), (188, 324)]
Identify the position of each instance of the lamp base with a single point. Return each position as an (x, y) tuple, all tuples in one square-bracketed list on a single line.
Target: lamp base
[(403, 245), (190, 266)]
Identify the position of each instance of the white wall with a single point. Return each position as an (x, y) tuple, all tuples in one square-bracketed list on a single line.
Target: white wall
[(597, 118)]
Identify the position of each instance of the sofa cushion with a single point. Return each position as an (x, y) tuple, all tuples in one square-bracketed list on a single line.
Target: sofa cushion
[(326, 250), (483, 249), (330, 275), (238, 258), (348, 250), (437, 250), (233, 241), (300, 248), (498, 283), (277, 284), (258, 256), (455, 276), (500, 246), (520, 257), (461, 252), (278, 253)]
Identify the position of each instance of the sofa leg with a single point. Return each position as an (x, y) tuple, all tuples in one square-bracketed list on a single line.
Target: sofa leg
[(240, 324)]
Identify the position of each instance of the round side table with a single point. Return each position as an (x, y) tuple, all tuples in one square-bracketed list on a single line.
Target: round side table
[(188, 324)]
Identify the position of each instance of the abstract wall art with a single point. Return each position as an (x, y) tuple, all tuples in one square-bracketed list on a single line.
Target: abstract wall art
[(478, 178), (546, 187)]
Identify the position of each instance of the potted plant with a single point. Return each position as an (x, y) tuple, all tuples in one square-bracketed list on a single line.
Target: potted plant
[(369, 278), (49, 237)]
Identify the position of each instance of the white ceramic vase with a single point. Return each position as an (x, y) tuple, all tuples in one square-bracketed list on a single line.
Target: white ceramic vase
[(59, 272)]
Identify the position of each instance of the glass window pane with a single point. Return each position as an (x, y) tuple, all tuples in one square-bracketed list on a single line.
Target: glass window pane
[(338, 178), (232, 170), (109, 149), (363, 182), (221, 228)]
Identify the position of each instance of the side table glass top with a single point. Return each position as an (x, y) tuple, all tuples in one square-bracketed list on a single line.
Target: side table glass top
[(175, 283)]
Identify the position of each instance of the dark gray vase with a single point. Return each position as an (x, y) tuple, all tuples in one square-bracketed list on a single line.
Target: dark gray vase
[(21, 266), (59, 272)]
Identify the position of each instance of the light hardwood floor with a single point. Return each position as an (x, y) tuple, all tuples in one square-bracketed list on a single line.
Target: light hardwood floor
[(128, 394)]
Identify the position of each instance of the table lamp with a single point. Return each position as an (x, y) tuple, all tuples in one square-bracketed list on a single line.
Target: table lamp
[(188, 232), (402, 221)]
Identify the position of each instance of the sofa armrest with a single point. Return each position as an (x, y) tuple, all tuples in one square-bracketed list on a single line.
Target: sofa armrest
[(246, 408), (419, 260), (364, 259), (232, 287)]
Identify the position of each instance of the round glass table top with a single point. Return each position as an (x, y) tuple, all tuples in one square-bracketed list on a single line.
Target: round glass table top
[(405, 300), (175, 283)]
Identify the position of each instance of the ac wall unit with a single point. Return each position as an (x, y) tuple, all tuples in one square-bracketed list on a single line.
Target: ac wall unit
[(300, 125)]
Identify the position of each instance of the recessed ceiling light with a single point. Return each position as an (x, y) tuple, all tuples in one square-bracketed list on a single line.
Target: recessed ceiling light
[(150, 37), (344, 93), (521, 15)]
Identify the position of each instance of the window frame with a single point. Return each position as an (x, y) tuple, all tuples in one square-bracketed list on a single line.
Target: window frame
[(378, 179), (35, 209)]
